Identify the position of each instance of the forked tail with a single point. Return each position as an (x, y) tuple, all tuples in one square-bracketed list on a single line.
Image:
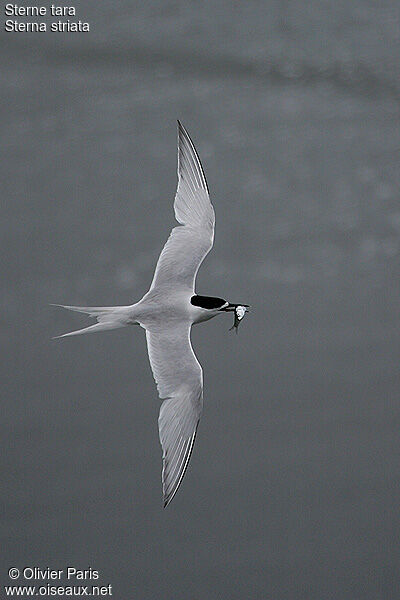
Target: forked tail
[(108, 317)]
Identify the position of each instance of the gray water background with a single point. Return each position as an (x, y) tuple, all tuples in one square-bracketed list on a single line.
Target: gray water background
[(293, 487)]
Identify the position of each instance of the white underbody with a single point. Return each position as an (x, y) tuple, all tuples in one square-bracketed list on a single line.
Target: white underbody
[(158, 307)]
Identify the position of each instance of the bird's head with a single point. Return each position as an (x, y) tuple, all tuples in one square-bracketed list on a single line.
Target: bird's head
[(211, 306)]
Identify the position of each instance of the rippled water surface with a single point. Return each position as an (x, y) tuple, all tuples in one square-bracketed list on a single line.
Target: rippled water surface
[(292, 491)]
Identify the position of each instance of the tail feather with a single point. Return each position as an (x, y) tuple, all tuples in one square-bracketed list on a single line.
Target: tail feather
[(102, 326), (108, 317), (93, 311)]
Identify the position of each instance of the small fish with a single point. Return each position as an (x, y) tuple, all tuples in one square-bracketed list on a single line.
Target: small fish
[(240, 311)]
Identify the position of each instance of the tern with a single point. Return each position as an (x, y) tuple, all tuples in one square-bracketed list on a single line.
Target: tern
[(168, 311)]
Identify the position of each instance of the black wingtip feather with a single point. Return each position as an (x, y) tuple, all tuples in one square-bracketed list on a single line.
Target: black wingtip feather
[(183, 131)]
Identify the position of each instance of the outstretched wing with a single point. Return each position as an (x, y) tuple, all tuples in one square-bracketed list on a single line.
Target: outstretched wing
[(187, 245), (179, 379)]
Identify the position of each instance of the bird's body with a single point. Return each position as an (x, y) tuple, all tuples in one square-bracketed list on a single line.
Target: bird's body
[(168, 311)]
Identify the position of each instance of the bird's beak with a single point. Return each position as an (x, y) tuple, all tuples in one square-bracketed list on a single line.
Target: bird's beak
[(228, 308), (232, 307)]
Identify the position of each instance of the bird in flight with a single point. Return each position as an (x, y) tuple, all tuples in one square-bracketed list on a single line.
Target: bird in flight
[(168, 311)]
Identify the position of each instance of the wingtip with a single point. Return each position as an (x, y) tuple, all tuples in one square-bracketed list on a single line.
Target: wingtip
[(181, 128), (166, 501), (166, 497)]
